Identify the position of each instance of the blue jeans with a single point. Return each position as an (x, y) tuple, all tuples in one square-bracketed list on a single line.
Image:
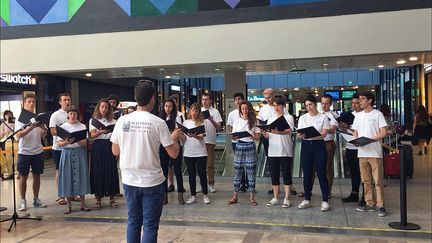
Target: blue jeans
[(144, 208)]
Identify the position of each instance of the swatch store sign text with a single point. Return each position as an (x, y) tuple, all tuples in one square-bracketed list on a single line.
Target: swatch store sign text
[(18, 79)]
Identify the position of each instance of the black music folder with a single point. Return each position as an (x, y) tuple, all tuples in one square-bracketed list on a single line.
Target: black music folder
[(65, 135), (347, 118), (309, 132), (206, 114), (197, 130), (26, 116), (361, 141), (244, 134), (261, 122), (100, 126), (280, 124), (171, 124)]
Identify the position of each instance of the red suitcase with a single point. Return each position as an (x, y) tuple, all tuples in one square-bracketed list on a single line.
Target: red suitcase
[(392, 165)]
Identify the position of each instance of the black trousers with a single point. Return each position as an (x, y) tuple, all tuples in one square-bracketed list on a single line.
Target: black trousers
[(193, 164), (177, 163), (278, 164), (351, 155)]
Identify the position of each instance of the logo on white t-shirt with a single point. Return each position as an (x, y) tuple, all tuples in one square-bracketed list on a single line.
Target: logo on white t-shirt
[(126, 126)]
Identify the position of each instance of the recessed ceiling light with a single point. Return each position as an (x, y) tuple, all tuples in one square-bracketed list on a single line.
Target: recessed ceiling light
[(284, 90), (342, 88), (355, 87), (371, 69), (88, 74), (380, 66), (177, 73), (161, 69), (167, 76), (316, 91), (401, 62), (372, 90), (296, 89), (325, 64), (217, 69), (252, 91), (413, 58), (250, 70), (316, 94), (241, 68)]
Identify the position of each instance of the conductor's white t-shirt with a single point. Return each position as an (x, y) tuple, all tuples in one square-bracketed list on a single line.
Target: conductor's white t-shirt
[(139, 136)]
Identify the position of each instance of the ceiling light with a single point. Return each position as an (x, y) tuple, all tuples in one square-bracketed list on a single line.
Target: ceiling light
[(168, 76), (371, 69), (325, 64), (316, 94), (413, 58), (177, 73), (88, 74), (284, 90), (316, 91), (296, 89), (241, 68), (161, 69), (250, 70), (252, 91), (217, 69), (355, 87), (399, 62), (372, 90), (380, 66), (342, 88)]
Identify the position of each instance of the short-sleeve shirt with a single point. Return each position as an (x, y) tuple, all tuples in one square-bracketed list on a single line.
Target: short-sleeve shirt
[(106, 123), (57, 118), (241, 125), (195, 147), (31, 143), (232, 116), (349, 145), (139, 136), (210, 137), (319, 122), (72, 128), (332, 120), (368, 124), (268, 111), (280, 145)]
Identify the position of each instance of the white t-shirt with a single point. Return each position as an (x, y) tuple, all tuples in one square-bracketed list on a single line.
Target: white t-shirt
[(280, 145), (106, 123), (31, 143), (210, 137), (57, 118), (232, 116), (319, 121), (195, 147), (268, 111), (180, 117), (368, 124), (349, 145), (332, 120), (72, 128), (241, 125), (139, 136)]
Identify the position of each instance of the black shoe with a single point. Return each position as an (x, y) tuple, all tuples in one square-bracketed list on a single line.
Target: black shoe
[(362, 202), (420, 153), (270, 192), (171, 188), (293, 192), (243, 188), (351, 198)]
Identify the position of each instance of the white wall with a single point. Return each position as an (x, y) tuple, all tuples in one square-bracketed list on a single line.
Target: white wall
[(360, 34)]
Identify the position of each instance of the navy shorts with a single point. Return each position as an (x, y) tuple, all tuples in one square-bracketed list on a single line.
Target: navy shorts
[(35, 161), (56, 154)]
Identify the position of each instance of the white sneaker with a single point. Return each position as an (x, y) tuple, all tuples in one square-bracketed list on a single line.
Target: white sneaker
[(191, 199), (212, 189), (286, 203), (206, 199), (23, 205), (273, 202), (304, 204), (325, 207)]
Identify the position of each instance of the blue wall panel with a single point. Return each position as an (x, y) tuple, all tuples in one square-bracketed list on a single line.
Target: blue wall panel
[(335, 79), (307, 80), (365, 78), (217, 84), (349, 78), (321, 79), (267, 81), (281, 80), (376, 79), (18, 15), (57, 14), (253, 81), (294, 80)]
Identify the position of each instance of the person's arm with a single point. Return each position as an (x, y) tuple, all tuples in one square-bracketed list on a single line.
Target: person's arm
[(382, 134), (82, 143), (94, 133), (217, 125), (256, 136), (115, 148), (53, 131), (284, 132), (26, 131), (355, 133), (63, 143), (229, 128), (174, 148), (324, 132)]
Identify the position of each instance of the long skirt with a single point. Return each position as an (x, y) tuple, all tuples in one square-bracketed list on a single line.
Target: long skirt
[(73, 173), (104, 178)]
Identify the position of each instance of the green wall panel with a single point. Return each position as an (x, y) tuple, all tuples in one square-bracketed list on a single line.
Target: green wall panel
[(73, 6), (4, 11), (143, 8), (183, 6)]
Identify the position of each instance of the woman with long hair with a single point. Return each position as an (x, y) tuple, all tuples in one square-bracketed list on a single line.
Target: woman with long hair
[(103, 170), (169, 114), (195, 153), (422, 128), (245, 155), (6, 129), (73, 168)]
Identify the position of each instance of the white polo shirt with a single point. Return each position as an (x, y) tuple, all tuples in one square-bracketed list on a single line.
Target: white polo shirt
[(72, 128), (31, 143), (319, 122), (139, 136), (368, 124), (210, 137), (281, 145), (332, 120), (195, 147), (57, 118)]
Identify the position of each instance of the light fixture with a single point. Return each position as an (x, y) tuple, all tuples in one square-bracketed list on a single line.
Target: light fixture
[(88, 74), (177, 73), (217, 69), (240, 68), (161, 69), (380, 66), (316, 94), (316, 91), (371, 69), (325, 64), (252, 91), (296, 89), (372, 90), (342, 88), (413, 58), (399, 62), (284, 90), (168, 76), (355, 87)]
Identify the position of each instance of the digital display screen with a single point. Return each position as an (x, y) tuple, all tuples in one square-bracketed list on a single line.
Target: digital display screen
[(347, 94), (335, 94)]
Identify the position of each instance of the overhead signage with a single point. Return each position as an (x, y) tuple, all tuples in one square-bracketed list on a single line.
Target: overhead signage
[(18, 79), (256, 98), (175, 88)]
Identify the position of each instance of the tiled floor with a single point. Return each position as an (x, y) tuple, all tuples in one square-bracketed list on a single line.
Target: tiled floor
[(218, 222)]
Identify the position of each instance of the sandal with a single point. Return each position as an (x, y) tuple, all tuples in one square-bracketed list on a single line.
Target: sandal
[(113, 203), (68, 210), (253, 202), (76, 199), (232, 201), (98, 204), (61, 201), (85, 209)]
